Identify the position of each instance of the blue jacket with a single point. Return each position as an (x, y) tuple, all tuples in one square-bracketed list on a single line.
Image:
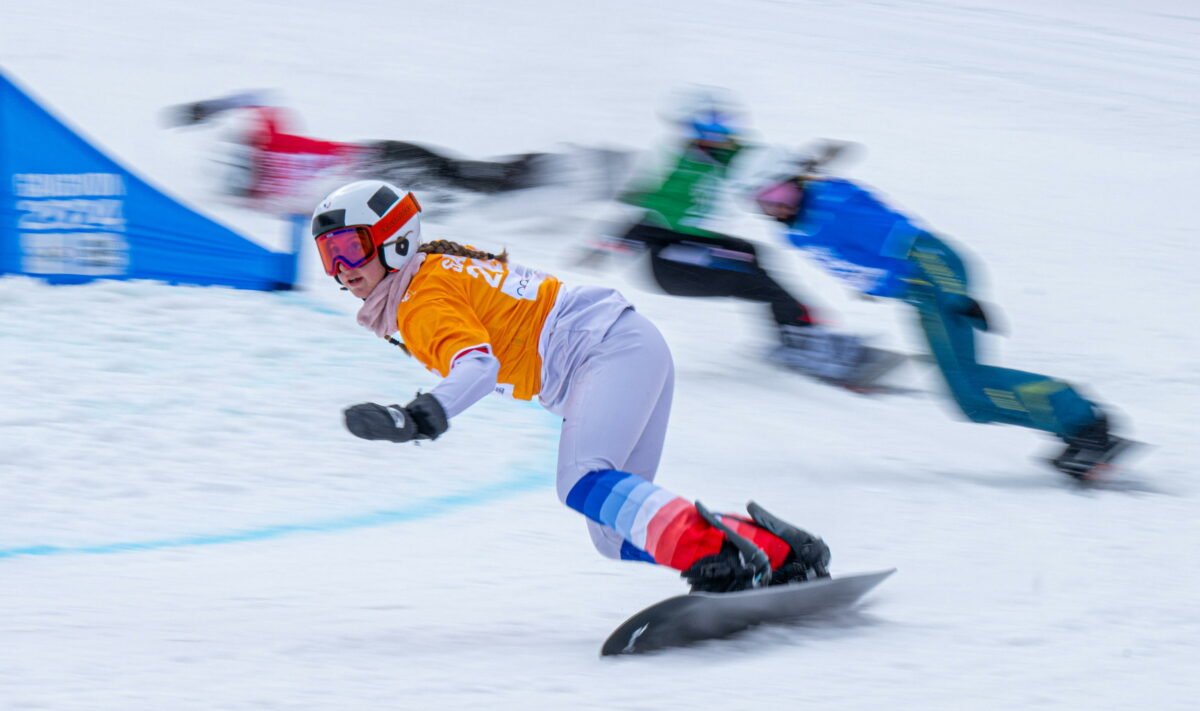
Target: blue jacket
[(855, 236)]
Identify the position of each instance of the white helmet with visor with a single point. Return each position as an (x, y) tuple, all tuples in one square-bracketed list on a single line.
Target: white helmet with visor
[(365, 219)]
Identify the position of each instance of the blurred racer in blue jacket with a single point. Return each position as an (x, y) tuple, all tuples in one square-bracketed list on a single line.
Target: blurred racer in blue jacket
[(882, 252)]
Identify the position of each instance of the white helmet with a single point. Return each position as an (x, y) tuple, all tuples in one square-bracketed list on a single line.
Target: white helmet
[(359, 221)]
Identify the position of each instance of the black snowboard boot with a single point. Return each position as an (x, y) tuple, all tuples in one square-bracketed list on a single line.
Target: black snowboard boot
[(721, 572), (1090, 450), (809, 557), (739, 565)]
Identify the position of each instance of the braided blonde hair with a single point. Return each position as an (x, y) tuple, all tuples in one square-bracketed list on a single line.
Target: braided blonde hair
[(454, 249)]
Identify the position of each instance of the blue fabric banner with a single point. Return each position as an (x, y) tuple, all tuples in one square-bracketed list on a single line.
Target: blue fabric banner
[(70, 214)]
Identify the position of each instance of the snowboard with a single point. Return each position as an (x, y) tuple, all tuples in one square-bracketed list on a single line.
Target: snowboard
[(878, 364), (1115, 473), (686, 619)]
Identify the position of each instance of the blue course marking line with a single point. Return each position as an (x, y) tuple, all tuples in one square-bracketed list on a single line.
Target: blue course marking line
[(524, 480)]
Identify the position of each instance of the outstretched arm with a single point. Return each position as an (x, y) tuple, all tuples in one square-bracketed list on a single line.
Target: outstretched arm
[(472, 375), (201, 111)]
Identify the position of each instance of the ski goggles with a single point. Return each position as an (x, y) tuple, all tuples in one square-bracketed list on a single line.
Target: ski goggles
[(355, 245), (786, 193), (351, 247)]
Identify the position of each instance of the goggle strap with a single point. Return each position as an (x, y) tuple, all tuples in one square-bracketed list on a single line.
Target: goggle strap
[(401, 212)]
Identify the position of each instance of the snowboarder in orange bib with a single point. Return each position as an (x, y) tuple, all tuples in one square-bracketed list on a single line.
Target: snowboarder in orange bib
[(486, 325)]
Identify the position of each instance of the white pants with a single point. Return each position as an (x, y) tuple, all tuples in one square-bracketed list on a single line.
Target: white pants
[(616, 411)]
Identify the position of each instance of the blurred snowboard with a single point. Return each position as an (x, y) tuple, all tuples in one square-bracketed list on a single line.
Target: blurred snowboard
[(686, 619)]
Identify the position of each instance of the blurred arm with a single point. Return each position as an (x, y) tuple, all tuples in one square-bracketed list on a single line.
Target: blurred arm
[(200, 111)]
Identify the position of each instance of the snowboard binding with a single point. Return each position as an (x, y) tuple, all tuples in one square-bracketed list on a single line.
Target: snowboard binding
[(741, 565), (1089, 455)]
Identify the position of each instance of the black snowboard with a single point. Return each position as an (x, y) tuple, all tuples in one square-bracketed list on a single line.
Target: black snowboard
[(685, 619), (879, 363)]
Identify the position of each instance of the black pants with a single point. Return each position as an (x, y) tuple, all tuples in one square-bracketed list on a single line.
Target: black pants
[(416, 165), (687, 265)]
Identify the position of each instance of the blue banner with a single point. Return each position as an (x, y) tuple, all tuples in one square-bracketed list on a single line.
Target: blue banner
[(70, 214)]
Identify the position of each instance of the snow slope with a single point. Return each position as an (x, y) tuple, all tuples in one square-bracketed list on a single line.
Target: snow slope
[(186, 525)]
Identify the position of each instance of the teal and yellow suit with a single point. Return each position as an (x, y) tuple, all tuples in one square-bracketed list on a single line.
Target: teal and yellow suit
[(882, 252)]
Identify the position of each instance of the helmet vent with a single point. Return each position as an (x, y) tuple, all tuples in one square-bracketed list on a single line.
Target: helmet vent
[(382, 200), (329, 220)]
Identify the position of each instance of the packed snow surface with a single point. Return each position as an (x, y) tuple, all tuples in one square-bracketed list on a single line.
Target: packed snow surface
[(187, 525)]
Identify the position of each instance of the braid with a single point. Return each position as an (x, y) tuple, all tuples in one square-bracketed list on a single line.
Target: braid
[(454, 249)]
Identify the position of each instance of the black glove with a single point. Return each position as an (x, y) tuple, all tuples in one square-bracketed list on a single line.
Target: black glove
[(976, 313), (423, 418), (972, 310), (187, 114)]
